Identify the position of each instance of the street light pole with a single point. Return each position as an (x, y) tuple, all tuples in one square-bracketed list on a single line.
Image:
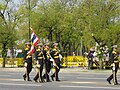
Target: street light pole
[(81, 45), (29, 20)]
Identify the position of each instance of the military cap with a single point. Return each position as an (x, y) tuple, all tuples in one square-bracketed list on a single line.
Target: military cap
[(40, 44), (114, 46), (55, 44), (92, 49), (27, 43), (46, 44)]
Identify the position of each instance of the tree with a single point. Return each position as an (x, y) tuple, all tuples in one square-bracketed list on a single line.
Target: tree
[(63, 20), (9, 20)]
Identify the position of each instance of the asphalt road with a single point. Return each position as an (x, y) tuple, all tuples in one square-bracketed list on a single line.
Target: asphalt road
[(71, 79)]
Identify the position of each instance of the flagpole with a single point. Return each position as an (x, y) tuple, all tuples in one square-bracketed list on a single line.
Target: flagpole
[(29, 20)]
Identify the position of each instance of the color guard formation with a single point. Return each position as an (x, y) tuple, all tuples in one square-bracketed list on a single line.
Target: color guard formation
[(46, 59)]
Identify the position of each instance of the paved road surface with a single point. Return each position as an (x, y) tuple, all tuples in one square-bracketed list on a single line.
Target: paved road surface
[(71, 79)]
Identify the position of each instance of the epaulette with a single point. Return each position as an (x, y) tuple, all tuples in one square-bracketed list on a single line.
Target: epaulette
[(46, 49), (26, 48), (53, 49), (114, 52), (38, 50)]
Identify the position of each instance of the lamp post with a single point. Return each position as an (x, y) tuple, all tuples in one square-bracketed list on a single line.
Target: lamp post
[(81, 43), (29, 21)]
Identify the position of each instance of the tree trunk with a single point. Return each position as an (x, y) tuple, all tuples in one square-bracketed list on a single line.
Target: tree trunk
[(3, 63), (4, 54)]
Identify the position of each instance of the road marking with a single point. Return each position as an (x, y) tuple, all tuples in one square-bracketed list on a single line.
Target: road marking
[(83, 82), (9, 79), (67, 86), (91, 78), (5, 75), (14, 84)]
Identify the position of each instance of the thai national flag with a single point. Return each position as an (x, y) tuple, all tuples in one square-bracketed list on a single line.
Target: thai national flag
[(34, 39)]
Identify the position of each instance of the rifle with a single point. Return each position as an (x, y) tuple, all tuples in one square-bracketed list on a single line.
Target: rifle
[(54, 64), (101, 45), (95, 39)]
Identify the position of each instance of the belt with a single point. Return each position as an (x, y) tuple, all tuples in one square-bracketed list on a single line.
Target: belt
[(56, 57), (40, 57), (116, 61)]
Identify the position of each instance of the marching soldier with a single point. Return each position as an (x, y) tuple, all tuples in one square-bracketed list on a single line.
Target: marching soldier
[(115, 66), (40, 62), (46, 53), (55, 55), (28, 62)]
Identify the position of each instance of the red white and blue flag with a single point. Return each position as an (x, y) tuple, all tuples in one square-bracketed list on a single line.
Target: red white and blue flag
[(34, 42), (34, 39)]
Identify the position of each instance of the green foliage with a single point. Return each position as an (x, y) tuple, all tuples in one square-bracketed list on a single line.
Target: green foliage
[(63, 21)]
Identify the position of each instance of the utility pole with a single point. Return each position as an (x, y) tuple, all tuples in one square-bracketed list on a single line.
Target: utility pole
[(29, 20), (81, 44)]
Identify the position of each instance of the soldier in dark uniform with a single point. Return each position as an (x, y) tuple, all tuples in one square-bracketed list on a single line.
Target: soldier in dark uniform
[(46, 53), (55, 55), (115, 66), (90, 59), (40, 62), (28, 62)]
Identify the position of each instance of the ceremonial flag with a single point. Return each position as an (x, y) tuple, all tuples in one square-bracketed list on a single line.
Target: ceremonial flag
[(34, 42), (34, 39)]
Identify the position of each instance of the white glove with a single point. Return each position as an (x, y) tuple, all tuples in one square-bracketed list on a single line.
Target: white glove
[(48, 52), (38, 65), (113, 66), (60, 56), (52, 59), (25, 64)]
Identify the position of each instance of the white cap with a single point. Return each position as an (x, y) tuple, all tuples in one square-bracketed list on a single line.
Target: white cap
[(27, 43), (55, 44), (114, 46), (92, 49)]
